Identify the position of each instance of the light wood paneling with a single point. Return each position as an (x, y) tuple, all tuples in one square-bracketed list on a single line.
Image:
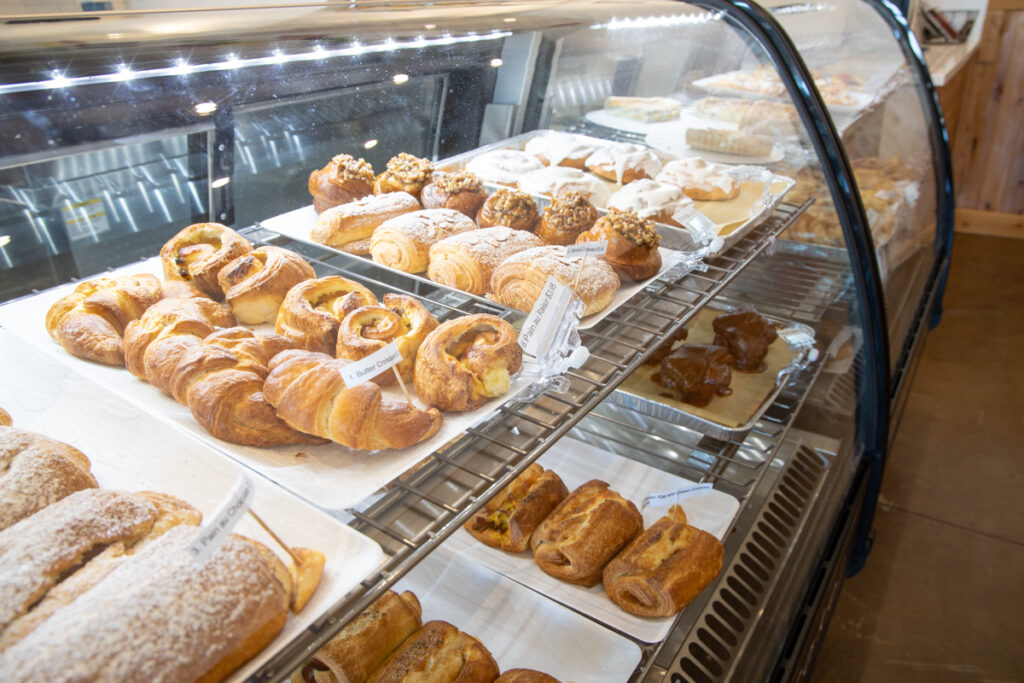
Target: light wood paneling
[(990, 223)]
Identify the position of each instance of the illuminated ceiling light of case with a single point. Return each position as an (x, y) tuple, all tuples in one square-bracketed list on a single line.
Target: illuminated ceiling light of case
[(232, 61), (801, 8), (369, 144), (205, 108), (124, 72), (509, 20), (220, 182), (658, 22), (181, 67), (430, 27), (58, 80), (399, 79), (5, 240), (496, 62)]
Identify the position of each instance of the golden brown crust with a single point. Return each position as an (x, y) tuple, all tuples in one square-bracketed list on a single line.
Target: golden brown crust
[(525, 676), (404, 242), (466, 261), (632, 244), (566, 217), (349, 226), (460, 191), (405, 173), (364, 644), (508, 520), (309, 394), (512, 208), (199, 252), (5, 418), (588, 528), (663, 569), (438, 653), (90, 322), (402, 319), (519, 280), (313, 310), (344, 179), (466, 362), (254, 284)]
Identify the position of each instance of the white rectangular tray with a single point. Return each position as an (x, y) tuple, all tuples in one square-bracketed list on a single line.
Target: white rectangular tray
[(576, 463), (131, 451), (522, 629)]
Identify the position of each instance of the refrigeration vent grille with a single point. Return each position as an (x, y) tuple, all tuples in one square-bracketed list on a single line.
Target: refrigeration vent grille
[(721, 630)]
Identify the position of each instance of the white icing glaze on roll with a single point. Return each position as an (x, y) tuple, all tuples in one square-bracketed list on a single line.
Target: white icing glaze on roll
[(503, 166), (556, 180), (649, 199), (623, 155), (557, 147), (697, 173)]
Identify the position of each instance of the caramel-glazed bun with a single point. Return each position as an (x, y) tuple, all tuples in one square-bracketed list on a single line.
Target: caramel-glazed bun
[(519, 280), (560, 149), (624, 162), (255, 284), (699, 179), (405, 173), (313, 310), (467, 260), (512, 208), (344, 179), (90, 322), (402, 319), (632, 244), (467, 361), (460, 191), (568, 215), (197, 254), (348, 227), (508, 520), (438, 653)]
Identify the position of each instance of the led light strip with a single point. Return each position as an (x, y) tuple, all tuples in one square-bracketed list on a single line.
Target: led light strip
[(658, 22), (58, 80)]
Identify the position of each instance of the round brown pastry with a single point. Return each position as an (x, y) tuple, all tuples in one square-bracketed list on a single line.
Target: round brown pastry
[(405, 173), (313, 310), (467, 361), (344, 179), (747, 335), (404, 242), (624, 162), (348, 227), (699, 179), (439, 653), (502, 166), (254, 285), (566, 217), (197, 254), (460, 191), (632, 244), (467, 260), (519, 280), (696, 373), (90, 322), (555, 180), (560, 149), (401, 319), (507, 521), (659, 202), (667, 346), (525, 676), (512, 208), (5, 418)]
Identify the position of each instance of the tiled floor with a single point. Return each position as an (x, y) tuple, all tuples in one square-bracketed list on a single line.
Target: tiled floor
[(942, 596)]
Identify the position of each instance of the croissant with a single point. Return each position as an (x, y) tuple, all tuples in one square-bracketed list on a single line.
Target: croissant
[(349, 226), (367, 329), (344, 179), (404, 242), (254, 284), (309, 394), (467, 361), (520, 279), (156, 342), (89, 322), (221, 381), (197, 254), (313, 310), (466, 261)]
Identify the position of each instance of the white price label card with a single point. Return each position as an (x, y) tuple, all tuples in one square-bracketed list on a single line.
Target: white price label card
[(583, 249), (673, 497), (550, 310), (216, 529), (797, 337), (365, 369)]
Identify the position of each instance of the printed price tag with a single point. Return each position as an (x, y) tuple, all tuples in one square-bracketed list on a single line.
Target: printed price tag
[(595, 249), (550, 311), (213, 533), (673, 497), (797, 337), (364, 370)]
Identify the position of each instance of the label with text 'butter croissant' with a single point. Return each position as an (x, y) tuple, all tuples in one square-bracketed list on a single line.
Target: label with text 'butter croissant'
[(549, 312), (365, 369), (216, 529)]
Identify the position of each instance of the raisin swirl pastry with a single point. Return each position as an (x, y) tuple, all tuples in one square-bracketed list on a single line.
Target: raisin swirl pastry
[(344, 179), (255, 284), (401, 319), (199, 252), (312, 311), (405, 173), (460, 191), (512, 208)]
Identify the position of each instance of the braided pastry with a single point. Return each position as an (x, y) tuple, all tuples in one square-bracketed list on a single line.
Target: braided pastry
[(309, 394), (313, 310), (221, 381), (254, 284), (197, 254), (89, 322), (467, 361), (367, 329)]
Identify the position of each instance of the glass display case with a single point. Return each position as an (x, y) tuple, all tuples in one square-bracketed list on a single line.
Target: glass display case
[(122, 128)]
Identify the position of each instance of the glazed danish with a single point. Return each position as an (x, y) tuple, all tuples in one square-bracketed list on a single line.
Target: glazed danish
[(199, 252), (313, 310), (255, 284), (401, 319)]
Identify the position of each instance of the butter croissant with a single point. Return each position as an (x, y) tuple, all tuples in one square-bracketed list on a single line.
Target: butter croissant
[(404, 242), (401, 319), (313, 310), (90, 322), (255, 284), (309, 394), (198, 253)]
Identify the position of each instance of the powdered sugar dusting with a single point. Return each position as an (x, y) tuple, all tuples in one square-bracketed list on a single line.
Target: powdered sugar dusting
[(490, 246), (596, 277), (427, 226)]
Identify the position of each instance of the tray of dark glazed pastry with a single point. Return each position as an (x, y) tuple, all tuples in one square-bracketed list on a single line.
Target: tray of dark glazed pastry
[(722, 373)]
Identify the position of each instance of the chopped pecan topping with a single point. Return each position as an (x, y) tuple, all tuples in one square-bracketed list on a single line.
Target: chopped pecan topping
[(349, 168), (453, 183), (639, 231), (513, 203), (410, 170), (572, 211)]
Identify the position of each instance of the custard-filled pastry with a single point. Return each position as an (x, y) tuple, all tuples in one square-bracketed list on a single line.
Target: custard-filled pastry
[(255, 284), (747, 336), (696, 373), (198, 253), (405, 173), (344, 179), (90, 322), (348, 227), (525, 676), (664, 568), (401, 319), (512, 208), (583, 534), (308, 392), (568, 215), (404, 242), (560, 149), (624, 162), (438, 653), (502, 166), (519, 280), (462, 192), (313, 310), (508, 520), (699, 179), (467, 260), (649, 199), (467, 361), (555, 180), (632, 244)]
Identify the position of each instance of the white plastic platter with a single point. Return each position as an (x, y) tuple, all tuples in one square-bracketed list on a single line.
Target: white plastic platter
[(576, 463), (603, 117), (674, 142), (519, 627), (331, 476), (130, 450), (715, 86)]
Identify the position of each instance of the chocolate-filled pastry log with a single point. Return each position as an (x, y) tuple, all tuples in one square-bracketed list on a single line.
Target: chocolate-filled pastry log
[(508, 520), (439, 653), (696, 373), (747, 336)]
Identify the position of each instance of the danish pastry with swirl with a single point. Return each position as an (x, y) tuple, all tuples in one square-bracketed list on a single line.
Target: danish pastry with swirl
[(313, 310), (255, 284), (367, 329), (199, 252), (467, 361)]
